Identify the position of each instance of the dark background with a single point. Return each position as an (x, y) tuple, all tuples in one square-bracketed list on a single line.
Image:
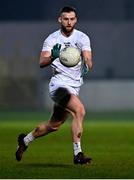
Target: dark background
[(91, 10)]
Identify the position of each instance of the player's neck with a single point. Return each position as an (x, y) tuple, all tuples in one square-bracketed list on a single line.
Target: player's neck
[(66, 34)]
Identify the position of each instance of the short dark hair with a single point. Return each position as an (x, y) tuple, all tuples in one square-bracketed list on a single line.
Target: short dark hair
[(68, 9)]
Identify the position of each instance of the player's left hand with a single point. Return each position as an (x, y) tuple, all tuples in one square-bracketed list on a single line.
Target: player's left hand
[(56, 51), (85, 69)]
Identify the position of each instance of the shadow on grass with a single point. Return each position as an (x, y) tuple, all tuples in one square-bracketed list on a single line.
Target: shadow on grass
[(48, 165)]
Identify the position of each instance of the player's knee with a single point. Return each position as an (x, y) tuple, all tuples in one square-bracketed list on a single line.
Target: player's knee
[(52, 128), (80, 111)]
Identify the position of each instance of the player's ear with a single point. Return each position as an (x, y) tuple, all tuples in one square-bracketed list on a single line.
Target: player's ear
[(59, 19)]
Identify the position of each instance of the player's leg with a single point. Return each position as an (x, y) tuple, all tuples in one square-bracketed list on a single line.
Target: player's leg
[(61, 96), (78, 111), (73, 104), (58, 117)]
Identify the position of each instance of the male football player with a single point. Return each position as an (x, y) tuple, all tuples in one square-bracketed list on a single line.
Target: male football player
[(64, 85)]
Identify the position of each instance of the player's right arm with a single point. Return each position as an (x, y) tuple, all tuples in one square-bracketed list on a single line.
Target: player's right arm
[(45, 59), (45, 55), (49, 52)]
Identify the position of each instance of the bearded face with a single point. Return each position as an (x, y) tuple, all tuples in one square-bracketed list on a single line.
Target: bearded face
[(67, 21)]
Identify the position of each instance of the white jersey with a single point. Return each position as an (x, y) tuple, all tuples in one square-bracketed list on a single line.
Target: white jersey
[(67, 75)]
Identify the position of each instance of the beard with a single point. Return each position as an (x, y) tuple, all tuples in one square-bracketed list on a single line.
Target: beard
[(67, 30)]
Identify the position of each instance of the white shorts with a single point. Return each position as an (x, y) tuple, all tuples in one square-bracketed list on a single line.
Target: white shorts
[(53, 86)]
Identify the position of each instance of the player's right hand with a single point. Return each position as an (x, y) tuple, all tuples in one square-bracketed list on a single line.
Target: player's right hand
[(55, 52)]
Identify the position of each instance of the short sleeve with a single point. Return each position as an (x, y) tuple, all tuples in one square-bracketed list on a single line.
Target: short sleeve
[(85, 42), (48, 44)]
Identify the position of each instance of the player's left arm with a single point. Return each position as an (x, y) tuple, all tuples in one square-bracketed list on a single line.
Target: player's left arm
[(87, 57), (86, 52)]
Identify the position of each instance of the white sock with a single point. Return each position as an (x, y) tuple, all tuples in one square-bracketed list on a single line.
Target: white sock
[(77, 148), (29, 138)]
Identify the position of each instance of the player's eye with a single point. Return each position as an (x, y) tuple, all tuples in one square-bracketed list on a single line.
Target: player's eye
[(72, 19), (66, 19)]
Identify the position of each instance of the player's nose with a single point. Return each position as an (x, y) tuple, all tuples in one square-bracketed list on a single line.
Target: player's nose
[(69, 22)]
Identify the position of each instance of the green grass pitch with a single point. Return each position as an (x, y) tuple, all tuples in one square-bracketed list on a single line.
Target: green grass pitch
[(107, 139)]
